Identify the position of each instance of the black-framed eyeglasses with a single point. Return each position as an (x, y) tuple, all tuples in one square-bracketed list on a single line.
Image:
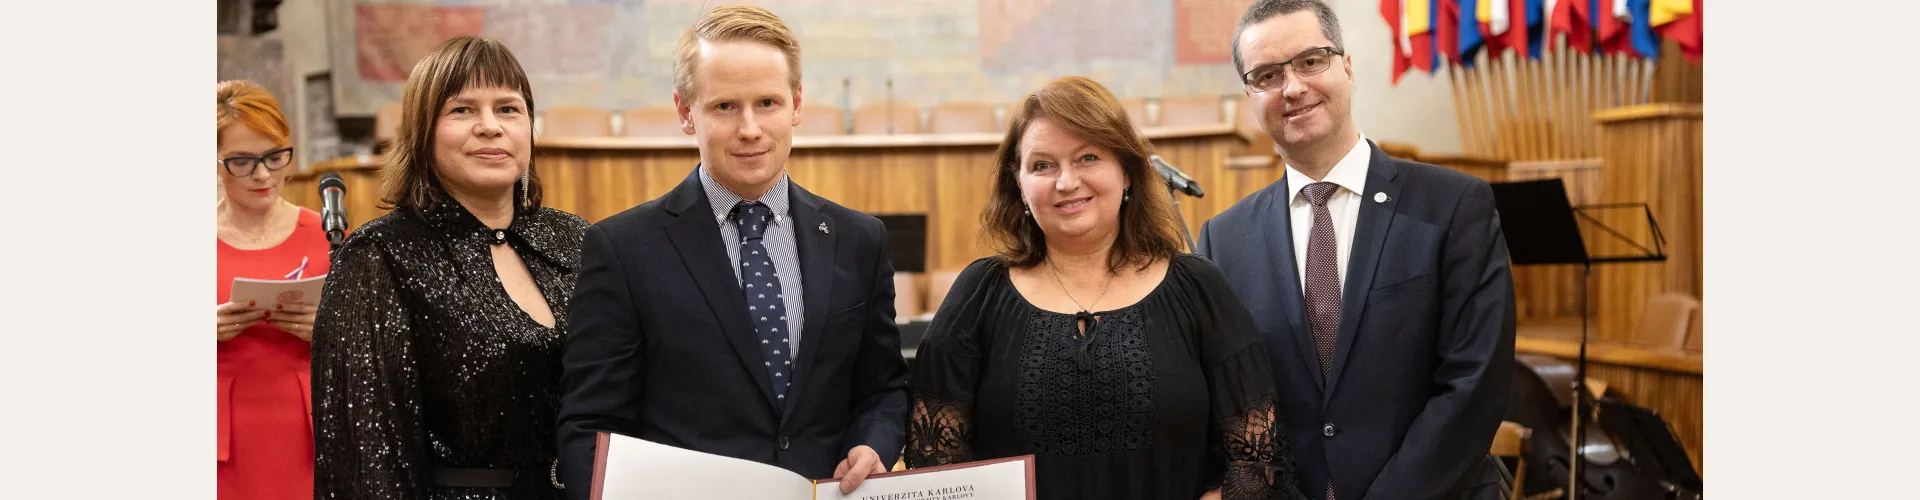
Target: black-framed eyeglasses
[(242, 166), (1269, 76)]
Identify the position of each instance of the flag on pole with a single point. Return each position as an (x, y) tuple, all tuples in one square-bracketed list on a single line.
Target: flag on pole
[(1492, 16), (1685, 31), (1470, 39), (1577, 22), (1447, 31), (1662, 12), (1558, 14), (1611, 22), (1514, 14), (1390, 9), (1536, 27), (1640, 29), (1418, 20)]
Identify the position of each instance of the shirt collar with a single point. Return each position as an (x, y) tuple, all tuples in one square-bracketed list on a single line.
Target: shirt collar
[(1350, 173), (723, 200), (532, 228)]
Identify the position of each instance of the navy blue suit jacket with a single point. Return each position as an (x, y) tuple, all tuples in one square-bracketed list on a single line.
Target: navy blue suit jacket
[(1423, 357), (659, 345)]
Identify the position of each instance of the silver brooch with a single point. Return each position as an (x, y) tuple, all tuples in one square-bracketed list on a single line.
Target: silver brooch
[(823, 228), (1380, 197)]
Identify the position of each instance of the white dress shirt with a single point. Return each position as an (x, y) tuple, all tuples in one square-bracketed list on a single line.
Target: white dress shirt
[(1351, 175)]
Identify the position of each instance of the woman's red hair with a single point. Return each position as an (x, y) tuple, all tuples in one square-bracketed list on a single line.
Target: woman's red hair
[(245, 103)]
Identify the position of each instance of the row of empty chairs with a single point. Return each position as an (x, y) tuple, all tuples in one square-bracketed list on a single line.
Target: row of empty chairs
[(872, 119)]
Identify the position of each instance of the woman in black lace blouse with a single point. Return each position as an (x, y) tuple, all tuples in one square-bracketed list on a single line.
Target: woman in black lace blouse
[(436, 353), (1126, 365)]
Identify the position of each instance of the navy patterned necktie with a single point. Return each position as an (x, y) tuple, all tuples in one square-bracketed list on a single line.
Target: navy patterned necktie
[(762, 285)]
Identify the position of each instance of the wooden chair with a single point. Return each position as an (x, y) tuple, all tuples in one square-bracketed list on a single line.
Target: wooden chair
[(1136, 112), (1187, 111), (1512, 440), (651, 122), (574, 121), (1668, 321), (906, 295), (386, 126), (873, 119), (1695, 341), (818, 119), (962, 118)]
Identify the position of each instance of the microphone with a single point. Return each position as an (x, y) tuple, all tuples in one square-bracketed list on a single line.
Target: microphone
[(1175, 178), (333, 209)]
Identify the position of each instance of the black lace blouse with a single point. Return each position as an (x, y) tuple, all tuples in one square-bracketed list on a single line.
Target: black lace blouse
[(1162, 399), (422, 362)]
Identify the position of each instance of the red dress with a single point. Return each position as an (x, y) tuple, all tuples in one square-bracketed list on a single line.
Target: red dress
[(266, 433)]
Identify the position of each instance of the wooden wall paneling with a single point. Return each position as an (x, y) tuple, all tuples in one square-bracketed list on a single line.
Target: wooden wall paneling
[(361, 176), (1204, 159), (947, 177), (1653, 155), (963, 183)]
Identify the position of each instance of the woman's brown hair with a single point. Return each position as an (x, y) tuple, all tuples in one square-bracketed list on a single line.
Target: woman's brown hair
[(406, 172), (1149, 229)]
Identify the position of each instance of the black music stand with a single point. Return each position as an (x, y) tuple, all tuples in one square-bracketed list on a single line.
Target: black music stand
[(1543, 227)]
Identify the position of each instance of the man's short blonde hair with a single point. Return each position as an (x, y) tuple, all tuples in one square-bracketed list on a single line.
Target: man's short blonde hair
[(733, 23)]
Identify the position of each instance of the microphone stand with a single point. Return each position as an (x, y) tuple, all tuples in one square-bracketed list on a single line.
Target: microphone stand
[(333, 243), (1585, 403)]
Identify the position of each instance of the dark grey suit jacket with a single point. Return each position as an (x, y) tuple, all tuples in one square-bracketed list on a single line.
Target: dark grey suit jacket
[(1424, 353), (659, 345)]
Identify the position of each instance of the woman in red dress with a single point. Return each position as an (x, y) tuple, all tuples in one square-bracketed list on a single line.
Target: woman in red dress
[(265, 435)]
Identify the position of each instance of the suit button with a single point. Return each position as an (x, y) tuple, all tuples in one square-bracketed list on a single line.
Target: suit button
[(783, 442), (1327, 431)]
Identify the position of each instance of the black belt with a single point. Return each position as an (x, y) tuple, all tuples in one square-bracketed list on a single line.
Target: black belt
[(474, 478), (457, 477)]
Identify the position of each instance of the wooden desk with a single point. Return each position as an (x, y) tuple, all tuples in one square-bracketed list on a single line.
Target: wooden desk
[(947, 177)]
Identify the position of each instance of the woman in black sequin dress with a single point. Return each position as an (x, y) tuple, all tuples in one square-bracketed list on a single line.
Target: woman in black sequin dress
[(1127, 366), (436, 354)]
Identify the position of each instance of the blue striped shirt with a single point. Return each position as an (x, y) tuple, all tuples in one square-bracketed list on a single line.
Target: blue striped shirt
[(779, 240)]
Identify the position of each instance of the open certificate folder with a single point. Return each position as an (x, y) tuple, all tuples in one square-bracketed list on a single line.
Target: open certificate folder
[(626, 468)]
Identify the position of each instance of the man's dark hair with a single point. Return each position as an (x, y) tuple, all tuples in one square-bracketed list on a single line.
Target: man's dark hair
[(1265, 9)]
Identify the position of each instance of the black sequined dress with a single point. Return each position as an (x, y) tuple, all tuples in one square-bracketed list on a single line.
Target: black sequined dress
[(1163, 399), (422, 363)]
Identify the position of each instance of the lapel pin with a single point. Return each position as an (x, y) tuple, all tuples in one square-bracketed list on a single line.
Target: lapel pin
[(1380, 197), (823, 228)]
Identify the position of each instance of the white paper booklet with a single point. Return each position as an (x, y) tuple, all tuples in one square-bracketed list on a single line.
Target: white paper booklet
[(627, 468)]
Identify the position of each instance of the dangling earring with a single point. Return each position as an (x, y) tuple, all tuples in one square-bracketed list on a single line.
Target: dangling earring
[(1126, 195), (523, 186)]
